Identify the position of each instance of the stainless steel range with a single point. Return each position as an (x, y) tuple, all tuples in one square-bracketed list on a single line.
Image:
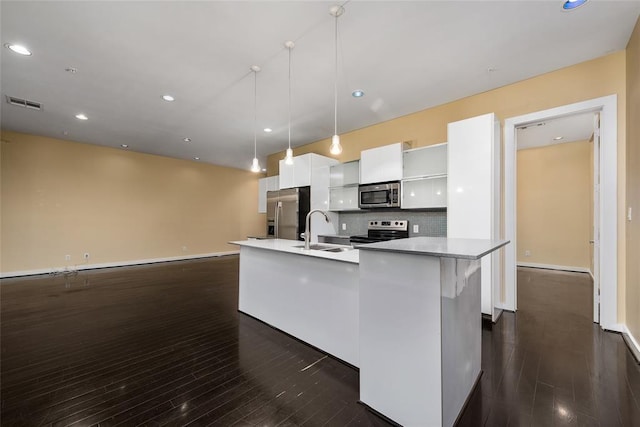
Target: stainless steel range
[(382, 230)]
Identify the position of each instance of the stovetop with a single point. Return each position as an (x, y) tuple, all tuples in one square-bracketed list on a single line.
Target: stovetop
[(383, 230)]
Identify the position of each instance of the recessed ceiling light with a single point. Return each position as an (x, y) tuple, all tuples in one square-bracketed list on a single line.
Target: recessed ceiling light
[(168, 98), (357, 93), (18, 49), (572, 4), (267, 130), (264, 170), (81, 116), (196, 158), (187, 139), (558, 138), (124, 146)]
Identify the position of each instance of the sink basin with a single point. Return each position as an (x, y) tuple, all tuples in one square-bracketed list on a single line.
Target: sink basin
[(327, 248), (342, 249)]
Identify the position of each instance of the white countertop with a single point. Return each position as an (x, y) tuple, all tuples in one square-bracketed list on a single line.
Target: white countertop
[(438, 247), (289, 246)]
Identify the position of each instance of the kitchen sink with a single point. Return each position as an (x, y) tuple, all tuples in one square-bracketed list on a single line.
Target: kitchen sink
[(327, 248), (342, 249)]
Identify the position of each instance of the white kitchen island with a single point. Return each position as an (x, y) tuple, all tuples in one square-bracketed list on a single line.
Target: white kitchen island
[(406, 312), (420, 327), (310, 294)]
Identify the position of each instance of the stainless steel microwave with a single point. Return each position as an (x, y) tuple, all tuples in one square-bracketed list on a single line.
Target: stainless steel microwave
[(385, 195)]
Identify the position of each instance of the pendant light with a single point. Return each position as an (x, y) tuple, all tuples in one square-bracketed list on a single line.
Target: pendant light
[(288, 160), (336, 148), (255, 165)]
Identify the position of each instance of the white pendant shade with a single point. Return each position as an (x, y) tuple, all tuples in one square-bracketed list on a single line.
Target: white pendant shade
[(288, 160), (336, 148), (255, 166)]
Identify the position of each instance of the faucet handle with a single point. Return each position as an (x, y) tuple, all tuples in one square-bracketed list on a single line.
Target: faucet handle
[(302, 236)]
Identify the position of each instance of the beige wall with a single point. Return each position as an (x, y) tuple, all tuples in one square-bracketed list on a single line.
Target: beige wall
[(592, 79), (61, 197), (633, 183), (554, 199)]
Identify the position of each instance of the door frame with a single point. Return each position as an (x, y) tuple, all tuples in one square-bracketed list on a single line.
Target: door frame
[(607, 209)]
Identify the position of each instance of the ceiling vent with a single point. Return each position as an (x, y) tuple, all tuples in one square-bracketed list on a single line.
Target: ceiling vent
[(19, 102)]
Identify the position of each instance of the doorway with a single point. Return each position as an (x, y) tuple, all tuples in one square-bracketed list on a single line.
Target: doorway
[(556, 193), (605, 210)]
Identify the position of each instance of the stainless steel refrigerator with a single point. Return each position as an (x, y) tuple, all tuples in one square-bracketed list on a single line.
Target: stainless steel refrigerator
[(287, 211)]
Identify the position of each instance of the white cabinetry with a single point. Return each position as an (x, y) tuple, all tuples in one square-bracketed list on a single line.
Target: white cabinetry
[(270, 183), (424, 177), (343, 182), (381, 164), (312, 170), (474, 193), (299, 173)]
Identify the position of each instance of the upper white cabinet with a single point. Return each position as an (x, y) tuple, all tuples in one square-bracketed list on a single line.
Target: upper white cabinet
[(343, 191), (474, 193), (424, 177), (381, 164), (270, 183), (312, 170), (299, 173), (343, 174), (424, 193), (425, 161)]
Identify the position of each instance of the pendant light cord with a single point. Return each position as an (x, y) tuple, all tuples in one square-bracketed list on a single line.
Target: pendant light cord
[(255, 114), (290, 49), (335, 81)]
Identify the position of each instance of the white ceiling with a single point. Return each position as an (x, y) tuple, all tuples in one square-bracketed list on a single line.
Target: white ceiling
[(406, 56), (578, 127)]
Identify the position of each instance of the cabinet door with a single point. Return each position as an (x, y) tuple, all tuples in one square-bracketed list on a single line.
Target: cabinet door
[(425, 161), (424, 193), (381, 164), (343, 198), (286, 175), (262, 194), (302, 170), (474, 196), (273, 183), (345, 174)]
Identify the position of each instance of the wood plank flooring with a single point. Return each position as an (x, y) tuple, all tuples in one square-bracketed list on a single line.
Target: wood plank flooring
[(164, 345)]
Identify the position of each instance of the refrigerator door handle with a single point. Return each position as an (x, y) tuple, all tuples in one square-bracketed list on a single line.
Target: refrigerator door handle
[(278, 206)]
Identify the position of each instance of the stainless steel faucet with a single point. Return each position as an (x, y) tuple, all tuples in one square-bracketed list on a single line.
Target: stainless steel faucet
[(307, 230)]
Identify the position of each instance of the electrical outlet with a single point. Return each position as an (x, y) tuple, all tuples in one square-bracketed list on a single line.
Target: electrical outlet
[(86, 255), (527, 253), (67, 257), (416, 228), (344, 226)]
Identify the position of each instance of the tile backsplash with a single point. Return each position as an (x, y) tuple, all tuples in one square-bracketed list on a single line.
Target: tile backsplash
[(433, 224)]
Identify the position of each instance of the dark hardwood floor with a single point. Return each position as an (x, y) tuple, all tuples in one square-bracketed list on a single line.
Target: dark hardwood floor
[(164, 345)]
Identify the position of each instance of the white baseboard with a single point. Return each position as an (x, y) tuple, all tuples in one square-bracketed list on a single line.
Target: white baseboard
[(630, 340), (554, 267), (80, 267)]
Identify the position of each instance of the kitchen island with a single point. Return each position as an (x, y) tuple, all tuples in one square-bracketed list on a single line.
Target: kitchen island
[(420, 327), (406, 312), (310, 294)]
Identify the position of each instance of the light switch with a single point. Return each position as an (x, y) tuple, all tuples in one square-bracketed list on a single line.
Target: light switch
[(344, 226), (629, 214), (416, 228)]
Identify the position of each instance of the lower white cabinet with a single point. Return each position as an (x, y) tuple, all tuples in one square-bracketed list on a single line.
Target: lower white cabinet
[(343, 198), (421, 193)]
